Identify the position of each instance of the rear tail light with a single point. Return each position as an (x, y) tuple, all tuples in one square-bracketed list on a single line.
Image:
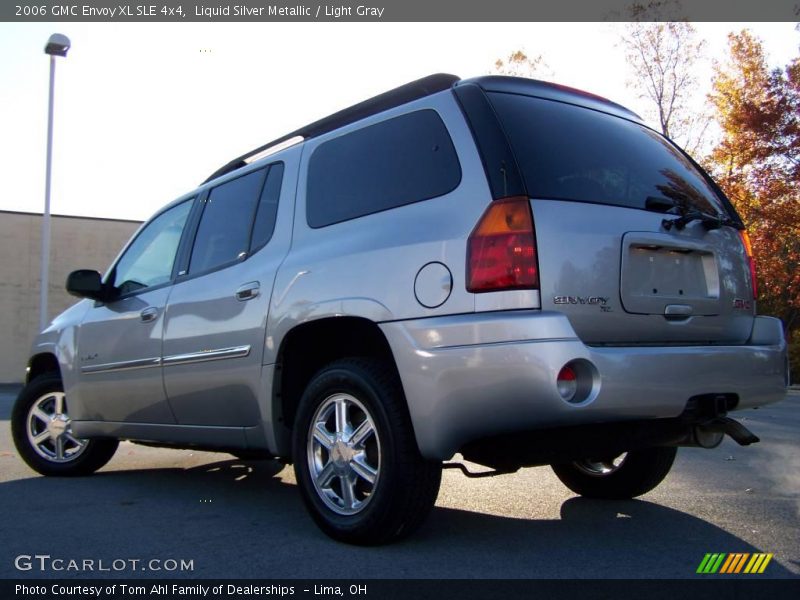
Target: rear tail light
[(501, 250), (748, 248)]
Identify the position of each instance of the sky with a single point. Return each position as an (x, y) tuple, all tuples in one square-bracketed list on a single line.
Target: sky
[(145, 112)]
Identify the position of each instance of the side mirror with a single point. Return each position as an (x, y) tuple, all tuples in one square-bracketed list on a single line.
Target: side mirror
[(86, 283)]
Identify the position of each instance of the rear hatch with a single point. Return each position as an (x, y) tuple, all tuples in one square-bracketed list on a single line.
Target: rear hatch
[(606, 193)]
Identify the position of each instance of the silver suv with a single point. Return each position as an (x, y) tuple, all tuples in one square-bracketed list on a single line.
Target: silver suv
[(518, 272)]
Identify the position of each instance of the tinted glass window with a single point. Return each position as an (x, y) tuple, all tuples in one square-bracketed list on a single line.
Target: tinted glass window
[(223, 235), (573, 153), (149, 259), (267, 212), (389, 164)]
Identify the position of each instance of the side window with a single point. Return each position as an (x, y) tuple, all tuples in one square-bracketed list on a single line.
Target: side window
[(223, 235), (396, 162), (267, 211), (148, 261)]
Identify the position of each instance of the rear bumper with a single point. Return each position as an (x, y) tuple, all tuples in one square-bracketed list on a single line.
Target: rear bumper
[(472, 376)]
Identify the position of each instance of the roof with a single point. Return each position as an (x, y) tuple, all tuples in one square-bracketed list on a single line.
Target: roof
[(550, 91), (425, 87), (396, 97)]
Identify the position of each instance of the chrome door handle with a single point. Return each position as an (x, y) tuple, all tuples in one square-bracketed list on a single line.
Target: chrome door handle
[(148, 314), (248, 291)]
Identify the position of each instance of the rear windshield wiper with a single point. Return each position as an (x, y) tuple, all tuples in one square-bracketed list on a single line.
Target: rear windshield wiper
[(709, 221), (687, 215)]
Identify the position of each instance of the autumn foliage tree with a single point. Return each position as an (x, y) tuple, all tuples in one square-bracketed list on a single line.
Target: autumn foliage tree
[(757, 163), (519, 64), (662, 58)]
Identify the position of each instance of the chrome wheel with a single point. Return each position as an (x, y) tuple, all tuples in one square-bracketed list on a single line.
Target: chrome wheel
[(602, 467), (344, 454), (49, 429)]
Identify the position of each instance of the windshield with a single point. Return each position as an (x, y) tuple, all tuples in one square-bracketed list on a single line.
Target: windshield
[(573, 153)]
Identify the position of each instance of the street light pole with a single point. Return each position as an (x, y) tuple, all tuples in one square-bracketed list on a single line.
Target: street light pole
[(57, 45), (45, 263)]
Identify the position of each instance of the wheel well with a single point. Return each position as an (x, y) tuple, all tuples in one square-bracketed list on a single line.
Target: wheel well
[(40, 364), (310, 346)]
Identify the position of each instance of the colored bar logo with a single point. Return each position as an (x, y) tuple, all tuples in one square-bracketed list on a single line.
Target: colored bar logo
[(729, 564)]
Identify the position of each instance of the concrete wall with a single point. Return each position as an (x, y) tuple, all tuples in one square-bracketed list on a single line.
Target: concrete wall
[(76, 243)]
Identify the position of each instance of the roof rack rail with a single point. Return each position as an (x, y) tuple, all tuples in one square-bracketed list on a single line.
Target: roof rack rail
[(405, 93)]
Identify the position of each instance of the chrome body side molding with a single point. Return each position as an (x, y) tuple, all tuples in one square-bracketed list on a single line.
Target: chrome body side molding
[(177, 359)]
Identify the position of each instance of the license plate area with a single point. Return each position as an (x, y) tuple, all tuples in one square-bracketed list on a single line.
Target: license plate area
[(659, 271)]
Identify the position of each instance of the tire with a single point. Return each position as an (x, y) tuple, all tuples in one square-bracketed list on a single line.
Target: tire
[(371, 485), (623, 477), (41, 408)]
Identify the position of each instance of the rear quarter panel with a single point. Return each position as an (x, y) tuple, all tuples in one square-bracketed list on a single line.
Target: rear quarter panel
[(367, 266)]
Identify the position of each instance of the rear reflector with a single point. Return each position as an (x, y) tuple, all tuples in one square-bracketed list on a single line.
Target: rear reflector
[(567, 383), (501, 250), (748, 248)]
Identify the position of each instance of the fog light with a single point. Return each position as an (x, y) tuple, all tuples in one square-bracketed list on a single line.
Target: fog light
[(567, 383)]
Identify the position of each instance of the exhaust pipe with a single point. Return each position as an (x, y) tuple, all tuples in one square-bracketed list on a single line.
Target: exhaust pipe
[(710, 433), (706, 438)]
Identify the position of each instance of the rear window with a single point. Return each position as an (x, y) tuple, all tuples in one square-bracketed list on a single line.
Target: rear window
[(573, 153), (223, 235), (396, 162)]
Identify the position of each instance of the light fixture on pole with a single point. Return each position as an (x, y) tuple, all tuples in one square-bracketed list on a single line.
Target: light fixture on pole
[(57, 45)]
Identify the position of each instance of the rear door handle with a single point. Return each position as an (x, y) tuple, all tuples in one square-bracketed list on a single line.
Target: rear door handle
[(678, 312), (248, 291), (148, 314)]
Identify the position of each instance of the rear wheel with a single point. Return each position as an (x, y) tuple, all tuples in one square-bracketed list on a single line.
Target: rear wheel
[(355, 456), (624, 476), (42, 431)]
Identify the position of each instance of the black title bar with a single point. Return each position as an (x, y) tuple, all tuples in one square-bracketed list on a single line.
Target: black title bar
[(701, 587), (150, 11)]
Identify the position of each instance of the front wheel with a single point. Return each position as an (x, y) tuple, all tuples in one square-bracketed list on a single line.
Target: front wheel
[(356, 460), (42, 431), (619, 477)]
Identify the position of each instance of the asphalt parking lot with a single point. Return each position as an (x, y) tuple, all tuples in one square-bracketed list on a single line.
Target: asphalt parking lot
[(245, 519)]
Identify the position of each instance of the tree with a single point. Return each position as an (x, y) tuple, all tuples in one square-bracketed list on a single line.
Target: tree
[(519, 64), (663, 57), (757, 163)]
